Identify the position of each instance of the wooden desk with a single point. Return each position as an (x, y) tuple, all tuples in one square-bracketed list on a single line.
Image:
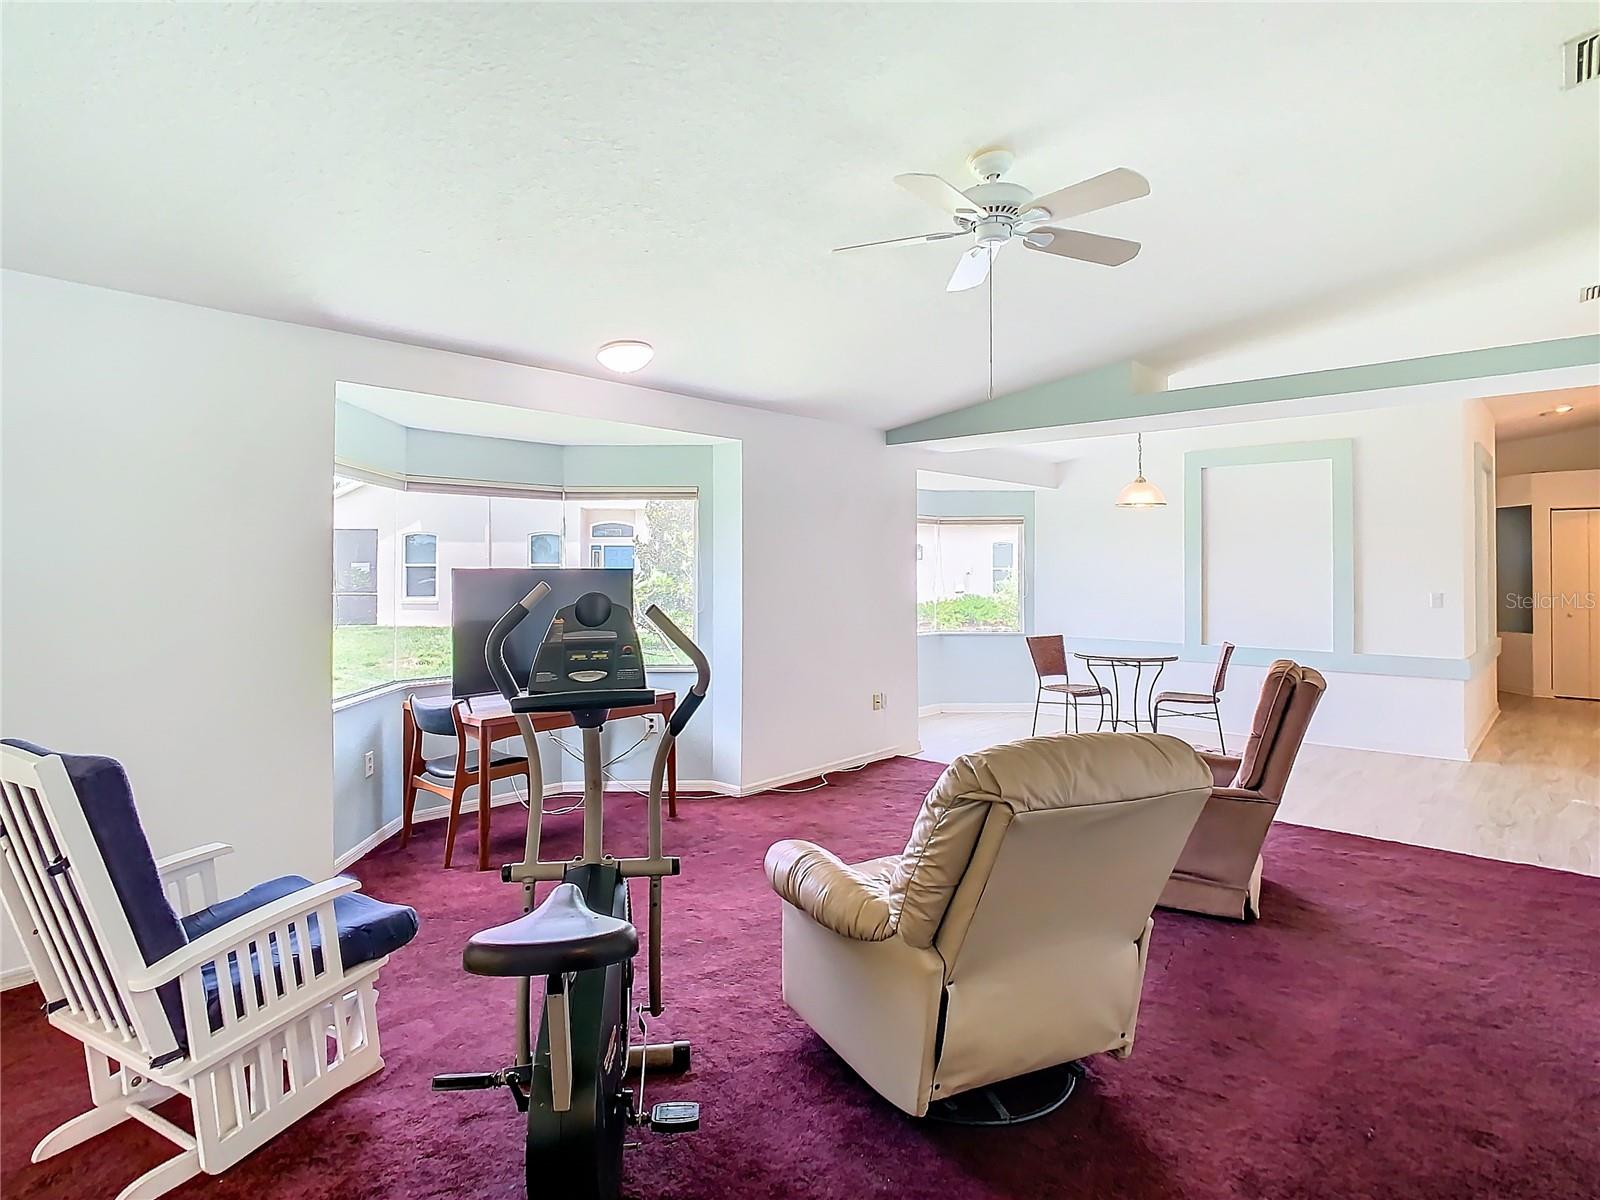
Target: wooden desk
[(491, 717)]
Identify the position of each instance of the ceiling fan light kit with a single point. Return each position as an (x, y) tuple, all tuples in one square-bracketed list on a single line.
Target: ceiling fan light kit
[(994, 212)]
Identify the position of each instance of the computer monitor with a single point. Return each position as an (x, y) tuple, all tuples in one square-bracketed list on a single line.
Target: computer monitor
[(480, 596)]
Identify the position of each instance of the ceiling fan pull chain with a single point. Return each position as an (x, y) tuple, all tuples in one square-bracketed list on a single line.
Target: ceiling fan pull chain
[(991, 323)]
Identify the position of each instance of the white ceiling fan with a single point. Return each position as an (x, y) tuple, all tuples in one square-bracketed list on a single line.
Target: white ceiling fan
[(994, 213)]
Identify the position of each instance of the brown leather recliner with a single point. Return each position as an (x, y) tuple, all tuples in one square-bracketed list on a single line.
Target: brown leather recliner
[(1011, 934), (1219, 871)]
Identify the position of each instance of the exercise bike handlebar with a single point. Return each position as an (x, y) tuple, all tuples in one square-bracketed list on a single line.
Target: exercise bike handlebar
[(686, 707), (494, 650)]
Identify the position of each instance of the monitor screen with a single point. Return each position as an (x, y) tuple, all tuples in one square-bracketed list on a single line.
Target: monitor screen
[(480, 596)]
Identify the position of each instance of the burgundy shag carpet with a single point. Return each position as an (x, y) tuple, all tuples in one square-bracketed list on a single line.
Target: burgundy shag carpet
[(1402, 1023)]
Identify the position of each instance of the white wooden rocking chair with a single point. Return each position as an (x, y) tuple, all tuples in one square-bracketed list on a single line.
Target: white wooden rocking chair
[(255, 1030)]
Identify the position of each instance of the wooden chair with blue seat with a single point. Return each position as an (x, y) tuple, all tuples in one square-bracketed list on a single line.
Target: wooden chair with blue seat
[(442, 774), (131, 953)]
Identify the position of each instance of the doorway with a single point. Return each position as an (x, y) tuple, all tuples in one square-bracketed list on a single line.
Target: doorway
[(1575, 618)]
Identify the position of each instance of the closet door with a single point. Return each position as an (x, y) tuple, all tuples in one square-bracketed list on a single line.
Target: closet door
[(1574, 619)]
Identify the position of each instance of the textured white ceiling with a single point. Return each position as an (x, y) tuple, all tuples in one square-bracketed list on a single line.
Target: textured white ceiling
[(528, 181), (445, 414)]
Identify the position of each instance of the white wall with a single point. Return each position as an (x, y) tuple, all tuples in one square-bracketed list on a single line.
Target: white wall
[(1117, 574), (189, 450)]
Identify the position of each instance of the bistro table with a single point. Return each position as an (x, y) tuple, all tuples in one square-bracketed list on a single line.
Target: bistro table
[(1115, 665)]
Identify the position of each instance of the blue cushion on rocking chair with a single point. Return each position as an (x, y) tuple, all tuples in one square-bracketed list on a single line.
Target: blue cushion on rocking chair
[(368, 929)]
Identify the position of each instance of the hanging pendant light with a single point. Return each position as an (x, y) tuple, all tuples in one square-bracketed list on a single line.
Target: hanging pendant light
[(1141, 493)]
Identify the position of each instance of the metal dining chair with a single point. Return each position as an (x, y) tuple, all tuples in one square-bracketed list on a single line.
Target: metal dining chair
[(1049, 653), (1194, 704)]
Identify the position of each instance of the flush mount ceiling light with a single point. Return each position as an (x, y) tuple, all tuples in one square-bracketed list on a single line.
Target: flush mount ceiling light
[(1141, 493), (1559, 410), (625, 357)]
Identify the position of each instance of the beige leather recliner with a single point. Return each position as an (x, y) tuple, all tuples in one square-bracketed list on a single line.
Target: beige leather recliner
[(1011, 933)]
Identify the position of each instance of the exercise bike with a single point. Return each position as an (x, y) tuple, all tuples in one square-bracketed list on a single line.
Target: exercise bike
[(573, 1084)]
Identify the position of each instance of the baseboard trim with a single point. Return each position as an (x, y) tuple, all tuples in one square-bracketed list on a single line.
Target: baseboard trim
[(16, 977), (510, 799), (714, 787), (1476, 742), (934, 710), (843, 764)]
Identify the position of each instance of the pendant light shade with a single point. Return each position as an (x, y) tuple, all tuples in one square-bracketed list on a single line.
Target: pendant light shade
[(1141, 493)]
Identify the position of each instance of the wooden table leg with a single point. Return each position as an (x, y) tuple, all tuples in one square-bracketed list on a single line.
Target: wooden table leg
[(672, 781), (484, 746)]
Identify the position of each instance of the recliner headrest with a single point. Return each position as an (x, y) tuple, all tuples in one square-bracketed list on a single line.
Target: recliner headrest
[(1072, 771)]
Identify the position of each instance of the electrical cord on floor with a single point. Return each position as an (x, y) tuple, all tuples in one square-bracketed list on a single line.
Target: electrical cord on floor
[(577, 757), (822, 781)]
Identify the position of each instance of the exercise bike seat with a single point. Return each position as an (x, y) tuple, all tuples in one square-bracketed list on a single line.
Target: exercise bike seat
[(562, 934)]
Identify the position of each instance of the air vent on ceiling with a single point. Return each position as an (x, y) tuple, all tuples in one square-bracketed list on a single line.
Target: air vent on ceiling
[(1580, 61), (1592, 292)]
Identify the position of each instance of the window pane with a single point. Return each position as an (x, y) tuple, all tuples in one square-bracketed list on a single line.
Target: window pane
[(967, 577), (364, 586), (663, 557), (544, 550), (394, 552), (355, 561), (423, 548), (927, 578), (524, 531), (392, 616)]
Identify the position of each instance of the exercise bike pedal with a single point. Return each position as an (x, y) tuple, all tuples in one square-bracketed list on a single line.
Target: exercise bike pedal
[(674, 1116), (468, 1081)]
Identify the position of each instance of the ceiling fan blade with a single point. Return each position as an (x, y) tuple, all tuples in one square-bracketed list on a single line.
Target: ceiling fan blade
[(972, 270), (921, 237), (1086, 247), (1114, 187), (942, 195)]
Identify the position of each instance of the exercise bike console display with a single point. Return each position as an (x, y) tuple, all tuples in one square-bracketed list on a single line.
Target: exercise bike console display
[(590, 659)]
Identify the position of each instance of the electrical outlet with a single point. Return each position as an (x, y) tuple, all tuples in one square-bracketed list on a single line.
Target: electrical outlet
[(369, 763), (1435, 599)]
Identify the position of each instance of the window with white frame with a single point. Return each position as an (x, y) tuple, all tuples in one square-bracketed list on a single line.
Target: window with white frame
[(395, 548), (968, 579), (421, 565)]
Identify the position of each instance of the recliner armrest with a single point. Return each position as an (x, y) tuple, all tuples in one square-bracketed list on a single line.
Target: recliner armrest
[(835, 895), (1233, 793), (1224, 767)]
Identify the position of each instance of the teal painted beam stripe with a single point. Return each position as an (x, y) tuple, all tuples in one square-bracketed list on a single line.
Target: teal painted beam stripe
[(1060, 402), (1112, 393), (1401, 665), (1339, 453)]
